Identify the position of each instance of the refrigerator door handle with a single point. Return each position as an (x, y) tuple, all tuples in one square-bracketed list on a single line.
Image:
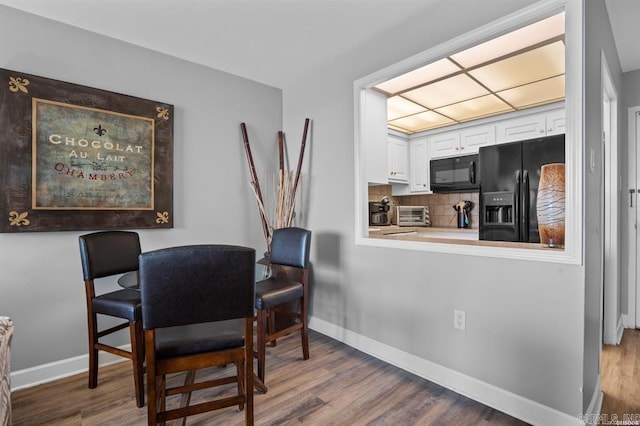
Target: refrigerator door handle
[(516, 205), (472, 172), (524, 228)]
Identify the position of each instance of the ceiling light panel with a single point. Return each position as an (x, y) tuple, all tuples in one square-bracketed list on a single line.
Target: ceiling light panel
[(398, 106), (423, 121), (537, 64), (538, 93), (422, 75), (483, 106), (516, 40), (446, 92), (519, 67)]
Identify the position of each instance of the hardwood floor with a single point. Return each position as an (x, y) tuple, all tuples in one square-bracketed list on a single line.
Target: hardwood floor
[(338, 385), (620, 376)]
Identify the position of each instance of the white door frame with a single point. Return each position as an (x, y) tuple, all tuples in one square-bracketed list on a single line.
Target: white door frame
[(612, 327), (634, 139)]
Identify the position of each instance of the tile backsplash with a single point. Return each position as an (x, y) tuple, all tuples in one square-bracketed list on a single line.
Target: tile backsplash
[(441, 209)]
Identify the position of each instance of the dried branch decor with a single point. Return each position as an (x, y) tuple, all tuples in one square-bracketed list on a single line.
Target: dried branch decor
[(287, 186)]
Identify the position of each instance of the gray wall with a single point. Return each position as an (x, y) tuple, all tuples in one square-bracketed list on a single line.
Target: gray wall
[(599, 38), (527, 331), (41, 284), (525, 320)]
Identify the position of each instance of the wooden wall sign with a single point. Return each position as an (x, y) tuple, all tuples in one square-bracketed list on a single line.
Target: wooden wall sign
[(77, 158)]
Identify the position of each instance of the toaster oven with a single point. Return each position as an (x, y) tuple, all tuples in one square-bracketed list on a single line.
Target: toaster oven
[(413, 216)]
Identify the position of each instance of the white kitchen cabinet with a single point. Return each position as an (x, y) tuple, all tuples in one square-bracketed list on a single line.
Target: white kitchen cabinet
[(419, 165), (472, 138), (531, 126), (398, 155), (445, 144), (408, 158), (556, 122), (462, 142), (373, 129)]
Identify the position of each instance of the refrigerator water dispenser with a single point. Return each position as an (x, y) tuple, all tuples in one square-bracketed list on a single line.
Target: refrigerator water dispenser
[(498, 208)]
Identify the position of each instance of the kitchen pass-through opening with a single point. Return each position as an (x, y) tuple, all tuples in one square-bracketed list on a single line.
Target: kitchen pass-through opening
[(495, 212)]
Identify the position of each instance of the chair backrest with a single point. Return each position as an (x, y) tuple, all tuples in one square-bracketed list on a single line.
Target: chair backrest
[(196, 284), (109, 253), (291, 247)]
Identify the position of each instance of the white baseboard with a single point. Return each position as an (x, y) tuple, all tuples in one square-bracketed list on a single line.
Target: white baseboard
[(33, 376), (626, 321), (492, 396), (592, 415), (619, 330)]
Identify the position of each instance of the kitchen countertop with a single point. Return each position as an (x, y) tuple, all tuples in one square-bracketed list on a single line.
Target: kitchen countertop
[(429, 231), (466, 236)]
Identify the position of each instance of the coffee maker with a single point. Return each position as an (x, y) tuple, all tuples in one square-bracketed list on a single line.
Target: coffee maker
[(379, 212)]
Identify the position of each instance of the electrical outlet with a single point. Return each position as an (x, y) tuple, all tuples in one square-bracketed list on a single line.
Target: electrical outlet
[(459, 320)]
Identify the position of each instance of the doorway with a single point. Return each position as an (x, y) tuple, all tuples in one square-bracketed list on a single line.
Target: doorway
[(612, 324), (633, 318)]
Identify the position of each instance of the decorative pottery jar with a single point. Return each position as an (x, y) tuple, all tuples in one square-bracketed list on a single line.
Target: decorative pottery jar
[(550, 205)]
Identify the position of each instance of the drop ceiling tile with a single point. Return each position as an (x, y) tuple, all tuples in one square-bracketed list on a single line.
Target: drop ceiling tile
[(538, 93), (534, 65), (398, 106), (423, 121), (419, 76), (528, 79), (483, 106), (511, 42), (446, 92)]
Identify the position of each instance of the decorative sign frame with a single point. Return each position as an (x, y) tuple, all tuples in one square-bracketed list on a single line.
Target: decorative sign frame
[(78, 158)]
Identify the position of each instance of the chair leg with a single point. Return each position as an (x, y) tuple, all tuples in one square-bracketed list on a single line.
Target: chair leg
[(137, 352), (272, 327), (152, 399), (247, 373), (185, 400), (93, 351), (304, 331), (261, 341), (152, 386), (241, 379), (162, 398), (305, 340)]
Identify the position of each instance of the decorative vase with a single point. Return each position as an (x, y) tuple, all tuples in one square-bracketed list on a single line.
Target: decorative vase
[(550, 205)]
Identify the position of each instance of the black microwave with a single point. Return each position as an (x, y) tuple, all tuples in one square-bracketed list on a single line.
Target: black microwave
[(455, 174)]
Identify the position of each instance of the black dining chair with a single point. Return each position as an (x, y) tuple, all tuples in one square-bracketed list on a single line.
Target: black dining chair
[(197, 310), (282, 299), (105, 254)]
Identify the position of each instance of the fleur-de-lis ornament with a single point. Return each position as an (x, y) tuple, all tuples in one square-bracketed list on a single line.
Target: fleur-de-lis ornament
[(163, 112), (99, 130), (18, 219), (163, 217), (18, 83)]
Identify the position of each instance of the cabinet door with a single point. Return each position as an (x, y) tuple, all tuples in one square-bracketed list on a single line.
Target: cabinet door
[(521, 128), (444, 144), (556, 122), (398, 159), (471, 139), (374, 135), (419, 165)]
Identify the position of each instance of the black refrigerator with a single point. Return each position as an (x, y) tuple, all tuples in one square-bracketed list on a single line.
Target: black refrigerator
[(509, 175)]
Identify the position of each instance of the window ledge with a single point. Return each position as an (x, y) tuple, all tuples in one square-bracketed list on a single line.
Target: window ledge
[(469, 247)]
